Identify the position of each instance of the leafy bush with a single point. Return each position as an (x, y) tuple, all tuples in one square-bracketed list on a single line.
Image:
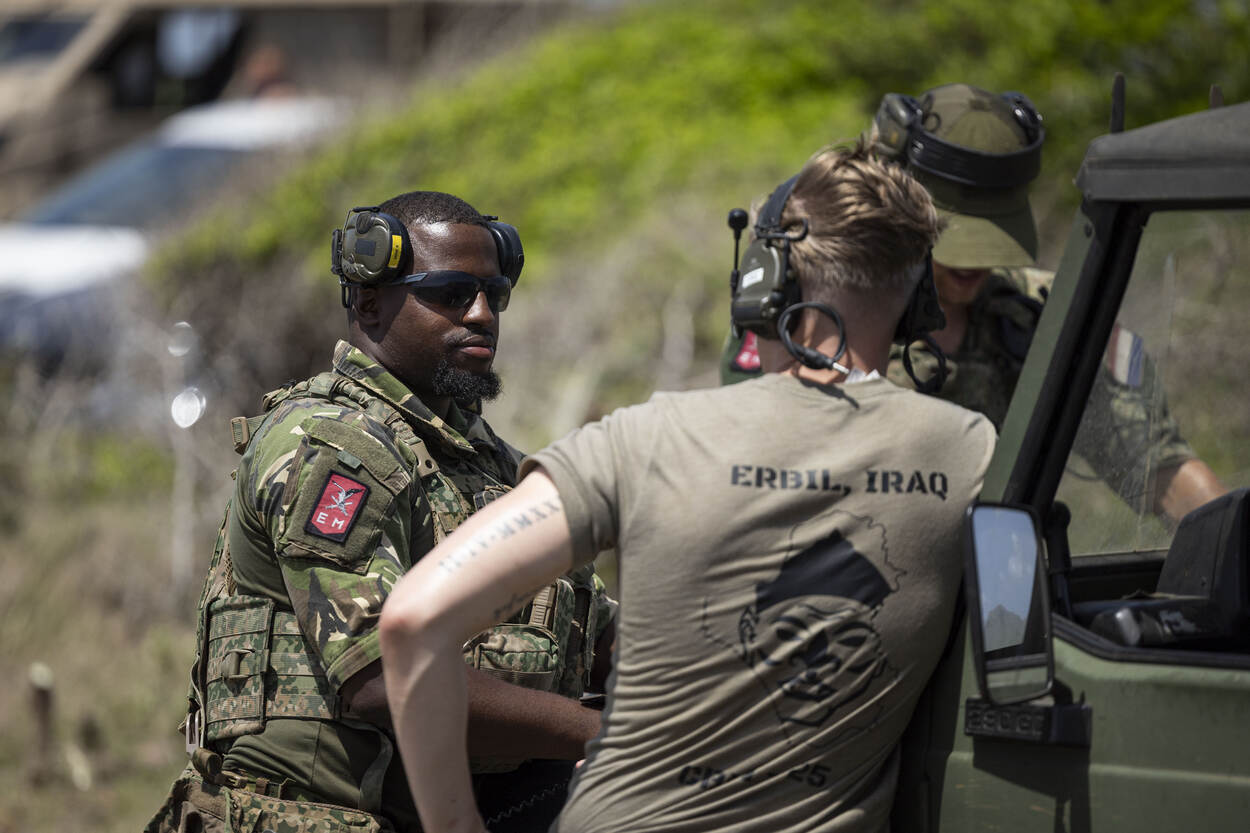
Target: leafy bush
[(647, 124)]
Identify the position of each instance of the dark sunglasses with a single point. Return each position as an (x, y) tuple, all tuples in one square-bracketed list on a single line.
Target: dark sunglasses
[(457, 290)]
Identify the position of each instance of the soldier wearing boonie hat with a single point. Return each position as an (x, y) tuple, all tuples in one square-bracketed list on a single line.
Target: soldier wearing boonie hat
[(988, 221), (976, 152)]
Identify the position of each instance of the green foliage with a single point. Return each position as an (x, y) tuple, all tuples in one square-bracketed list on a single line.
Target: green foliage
[(104, 465), (601, 128), (587, 129)]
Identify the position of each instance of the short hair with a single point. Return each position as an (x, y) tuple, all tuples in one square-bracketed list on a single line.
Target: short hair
[(419, 208), (870, 224), (423, 208)]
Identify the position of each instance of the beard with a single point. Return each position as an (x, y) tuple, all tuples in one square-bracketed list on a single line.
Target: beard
[(463, 386)]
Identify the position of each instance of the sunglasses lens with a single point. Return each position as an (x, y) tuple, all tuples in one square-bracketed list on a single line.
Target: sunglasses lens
[(458, 290), (498, 293), (460, 294)]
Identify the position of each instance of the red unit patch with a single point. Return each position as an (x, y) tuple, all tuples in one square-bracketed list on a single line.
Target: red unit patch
[(748, 358), (336, 510)]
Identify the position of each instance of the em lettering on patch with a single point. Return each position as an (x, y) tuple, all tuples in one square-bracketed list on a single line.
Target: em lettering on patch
[(336, 510)]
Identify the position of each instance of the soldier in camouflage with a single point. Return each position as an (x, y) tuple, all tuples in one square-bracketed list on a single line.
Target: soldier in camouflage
[(992, 297), (346, 480)]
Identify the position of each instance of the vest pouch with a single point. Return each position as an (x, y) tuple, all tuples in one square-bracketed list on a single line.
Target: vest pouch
[(523, 654), (237, 656)]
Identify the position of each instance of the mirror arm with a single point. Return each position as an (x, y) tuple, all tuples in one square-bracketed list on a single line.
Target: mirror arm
[(1058, 555)]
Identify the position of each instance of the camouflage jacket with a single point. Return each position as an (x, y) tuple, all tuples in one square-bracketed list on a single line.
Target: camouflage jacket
[(346, 481)]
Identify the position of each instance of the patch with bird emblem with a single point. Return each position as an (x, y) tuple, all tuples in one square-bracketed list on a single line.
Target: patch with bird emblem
[(335, 511)]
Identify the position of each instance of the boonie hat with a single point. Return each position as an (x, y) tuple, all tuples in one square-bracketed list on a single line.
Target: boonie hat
[(985, 226)]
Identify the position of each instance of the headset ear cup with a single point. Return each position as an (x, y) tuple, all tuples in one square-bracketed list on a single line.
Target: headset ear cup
[(508, 247), (372, 248), (896, 120), (760, 296), (923, 314), (767, 284)]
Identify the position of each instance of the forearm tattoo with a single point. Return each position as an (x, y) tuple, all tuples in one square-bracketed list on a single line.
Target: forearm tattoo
[(498, 533)]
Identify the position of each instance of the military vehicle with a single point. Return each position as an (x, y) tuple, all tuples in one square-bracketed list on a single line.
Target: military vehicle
[(1103, 680)]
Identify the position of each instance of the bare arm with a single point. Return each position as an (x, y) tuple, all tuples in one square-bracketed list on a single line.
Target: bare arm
[(508, 721), (505, 720), (1180, 489), (491, 566)]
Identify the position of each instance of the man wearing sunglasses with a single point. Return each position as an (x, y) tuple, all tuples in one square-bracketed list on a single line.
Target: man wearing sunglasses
[(346, 481)]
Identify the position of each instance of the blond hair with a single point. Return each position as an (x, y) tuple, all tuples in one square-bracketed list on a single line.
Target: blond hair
[(870, 224)]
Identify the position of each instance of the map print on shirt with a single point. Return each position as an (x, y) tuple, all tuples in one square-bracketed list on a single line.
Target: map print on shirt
[(808, 636)]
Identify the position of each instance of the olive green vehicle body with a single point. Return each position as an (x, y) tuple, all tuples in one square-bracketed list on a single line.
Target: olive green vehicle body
[(1167, 738)]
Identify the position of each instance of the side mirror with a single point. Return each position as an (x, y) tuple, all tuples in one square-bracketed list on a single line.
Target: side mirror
[(1008, 607)]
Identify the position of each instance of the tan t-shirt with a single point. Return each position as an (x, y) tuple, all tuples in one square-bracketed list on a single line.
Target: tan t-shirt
[(790, 556)]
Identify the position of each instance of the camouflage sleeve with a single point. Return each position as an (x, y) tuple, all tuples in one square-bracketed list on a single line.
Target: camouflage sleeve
[(337, 507), (1128, 434)]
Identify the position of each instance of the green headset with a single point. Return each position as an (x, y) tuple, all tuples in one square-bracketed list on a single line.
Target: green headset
[(765, 292), (373, 249), (902, 136), (765, 284)]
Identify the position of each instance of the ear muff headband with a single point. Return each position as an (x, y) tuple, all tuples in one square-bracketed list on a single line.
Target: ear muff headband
[(373, 248), (901, 135), (769, 220), (767, 285)]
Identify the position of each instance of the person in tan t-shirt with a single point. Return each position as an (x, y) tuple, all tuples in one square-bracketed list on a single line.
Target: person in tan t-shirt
[(789, 552)]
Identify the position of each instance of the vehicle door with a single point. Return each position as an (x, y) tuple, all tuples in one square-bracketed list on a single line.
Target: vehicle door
[(1141, 363)]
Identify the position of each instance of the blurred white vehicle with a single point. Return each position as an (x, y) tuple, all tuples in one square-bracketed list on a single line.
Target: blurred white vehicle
[(61, 264)]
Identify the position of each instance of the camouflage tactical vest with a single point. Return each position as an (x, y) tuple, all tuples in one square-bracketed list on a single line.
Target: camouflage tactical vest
[(252, 662)]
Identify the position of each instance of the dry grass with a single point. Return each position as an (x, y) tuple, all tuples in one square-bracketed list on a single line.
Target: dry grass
[(86, 591)]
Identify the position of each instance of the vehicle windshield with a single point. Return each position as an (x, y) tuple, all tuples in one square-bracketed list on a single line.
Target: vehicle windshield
[(1170, 387), (139, 187), (22, 40)]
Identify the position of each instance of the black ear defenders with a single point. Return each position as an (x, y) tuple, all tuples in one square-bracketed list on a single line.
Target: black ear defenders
[(373, 249), (923, 316), (508, 247), (765, 285), (370, 249), (902, 136)]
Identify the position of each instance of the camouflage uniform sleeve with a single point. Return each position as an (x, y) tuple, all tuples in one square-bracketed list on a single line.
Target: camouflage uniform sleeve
[(336, 504), (1128, 434)]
